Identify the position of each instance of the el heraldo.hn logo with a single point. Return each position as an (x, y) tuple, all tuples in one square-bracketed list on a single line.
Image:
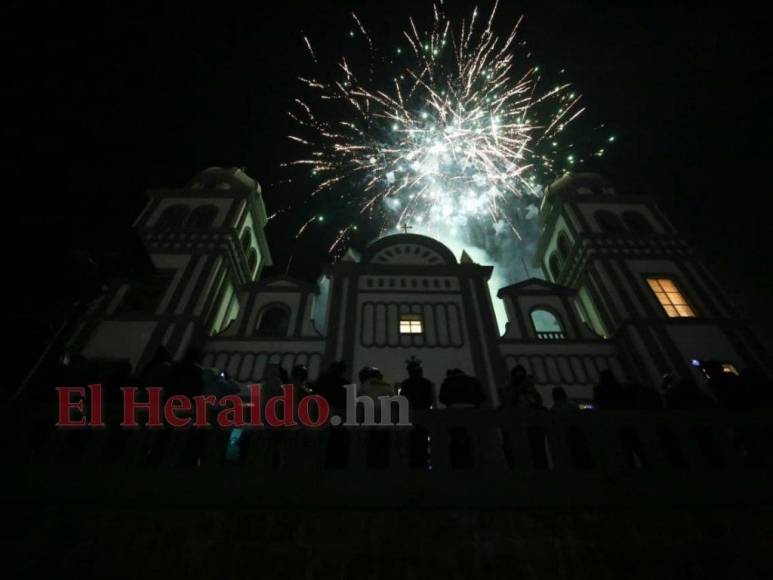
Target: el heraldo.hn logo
[(84, 407)]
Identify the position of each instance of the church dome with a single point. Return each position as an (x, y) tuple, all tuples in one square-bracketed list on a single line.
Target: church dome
[(569, 185), (581, 184), (224, 179), (412, 249)]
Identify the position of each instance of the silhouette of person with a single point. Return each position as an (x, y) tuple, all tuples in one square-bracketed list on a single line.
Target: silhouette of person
[(759, 388), (372, 383), (185, 377), (561, 400), (299, 378), (729, 391), (156, 372), (460, 390), (330, 384), (273, 379), (417, 389), (684, 394), (609, 393), (521, 392), (645, 397)]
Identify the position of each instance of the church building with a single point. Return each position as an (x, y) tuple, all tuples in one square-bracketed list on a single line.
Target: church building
[(622, 290)]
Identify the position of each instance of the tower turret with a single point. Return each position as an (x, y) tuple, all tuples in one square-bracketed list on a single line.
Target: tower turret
[(204, 240), (638, 280)]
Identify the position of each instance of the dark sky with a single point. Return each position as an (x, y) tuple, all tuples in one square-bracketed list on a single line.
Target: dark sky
[(100, 110)]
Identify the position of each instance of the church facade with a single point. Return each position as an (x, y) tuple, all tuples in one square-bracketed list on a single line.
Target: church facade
[(622, 291)]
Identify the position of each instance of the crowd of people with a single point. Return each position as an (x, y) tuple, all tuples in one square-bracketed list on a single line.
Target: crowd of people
[(189, 377), (719, 389), (457, 390)]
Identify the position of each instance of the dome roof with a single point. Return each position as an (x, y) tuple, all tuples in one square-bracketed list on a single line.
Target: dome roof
[(223, 179), (408, 249), (580, 183)]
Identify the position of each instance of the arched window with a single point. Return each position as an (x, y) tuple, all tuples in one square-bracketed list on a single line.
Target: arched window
[(564, 248), (555, 266), (609, 222), (202, 217), (636, 222), (173, 217), (246, 239), (546, 325), (274, 320), (252, 261)]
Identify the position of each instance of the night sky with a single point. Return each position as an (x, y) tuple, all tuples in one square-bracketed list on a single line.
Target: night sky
[(100, 110)]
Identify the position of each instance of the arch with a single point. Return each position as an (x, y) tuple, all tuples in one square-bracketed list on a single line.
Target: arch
[(564, 247), (202, 217), (173, 217), (546, 323), (636, 222), (246, 239), (554, 266), (608, 222), (408, 249), (221, 178), (273, 320)]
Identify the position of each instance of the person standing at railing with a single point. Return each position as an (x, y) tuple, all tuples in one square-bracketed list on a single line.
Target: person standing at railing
[(299, 377), (461, 390), (419, 392), (561, 402), (644, 397), (759, 387), (159, 372), (417, 389), (187, 379), (684, 394), (610, 394), (726, 387), (273, 378), (331, 383), (521, 392)]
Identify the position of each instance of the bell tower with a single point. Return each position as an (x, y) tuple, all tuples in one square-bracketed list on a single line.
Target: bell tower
[(638, 281), (204, 240)]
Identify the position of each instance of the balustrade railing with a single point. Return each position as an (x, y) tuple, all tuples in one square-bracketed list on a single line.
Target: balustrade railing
[(550, 336), (447, 456)]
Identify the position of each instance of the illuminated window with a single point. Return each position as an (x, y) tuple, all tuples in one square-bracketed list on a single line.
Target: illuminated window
[(671, 298), (410, 324), (730, 368)]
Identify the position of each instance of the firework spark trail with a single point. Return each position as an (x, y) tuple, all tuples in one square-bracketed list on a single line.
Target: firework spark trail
[(311, 50), (454, 138)]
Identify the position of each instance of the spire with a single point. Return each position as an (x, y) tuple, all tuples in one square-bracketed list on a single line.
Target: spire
[(465, 259), (350, 256)]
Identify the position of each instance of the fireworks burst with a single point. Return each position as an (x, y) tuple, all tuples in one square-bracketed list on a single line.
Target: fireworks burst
[(459, 137)]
